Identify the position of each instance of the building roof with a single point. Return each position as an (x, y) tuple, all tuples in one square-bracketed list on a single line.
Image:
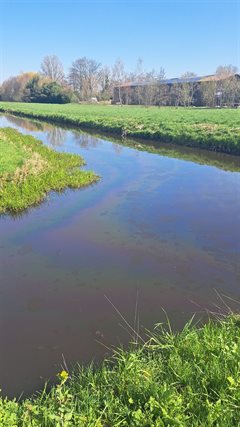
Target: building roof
[(210, 77)]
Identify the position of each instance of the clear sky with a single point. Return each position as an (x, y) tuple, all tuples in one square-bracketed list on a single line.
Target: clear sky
[(193, 35)]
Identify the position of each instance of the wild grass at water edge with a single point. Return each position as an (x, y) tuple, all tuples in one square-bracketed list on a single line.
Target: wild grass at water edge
[(29, 170), (185, 379)]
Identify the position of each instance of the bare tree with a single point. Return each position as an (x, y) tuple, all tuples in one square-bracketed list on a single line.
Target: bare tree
[(84, 77), (119, 76), (105, 83), (209, 92), (227, 85), (52, 68), (149, 92), (186, 89), (174, 94), (226, 70), (223, 88), (162, 90), (147, 87), (139, 77)]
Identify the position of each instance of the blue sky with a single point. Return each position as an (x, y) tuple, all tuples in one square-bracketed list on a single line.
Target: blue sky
[(177, 35)]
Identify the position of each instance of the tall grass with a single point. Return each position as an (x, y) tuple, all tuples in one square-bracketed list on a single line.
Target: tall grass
[(217, 130), (29, 170), (185, 379)]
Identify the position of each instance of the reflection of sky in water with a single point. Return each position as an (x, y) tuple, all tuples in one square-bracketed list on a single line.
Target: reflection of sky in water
[(166, 227)]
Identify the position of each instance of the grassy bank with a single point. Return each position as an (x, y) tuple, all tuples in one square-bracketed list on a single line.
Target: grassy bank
[(29, 170), (191, 378), (217, 130), (220, 160)]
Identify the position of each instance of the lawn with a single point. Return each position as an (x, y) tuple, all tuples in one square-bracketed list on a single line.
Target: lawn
[(186, 379), (29, 170), (212, 129)]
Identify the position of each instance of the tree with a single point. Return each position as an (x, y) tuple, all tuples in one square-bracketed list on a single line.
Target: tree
[(53, 93), (84, 77), (38, 90), (209, 92), (162, 91), (105, 83), (149, 89), (226, 70), (223, 88), (52, 68), (139, 77), (227, 85), (32, 90), (10, 90), (13, 89), (119, 76), (186, 89)]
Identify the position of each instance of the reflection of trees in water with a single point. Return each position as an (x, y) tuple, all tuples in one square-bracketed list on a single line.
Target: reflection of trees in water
[(26, 124), (117, 148), (86, 140), (56, 136)]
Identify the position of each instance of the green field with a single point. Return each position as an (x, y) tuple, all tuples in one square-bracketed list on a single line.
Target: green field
[(29, 170), (212, 129), (188, 379)]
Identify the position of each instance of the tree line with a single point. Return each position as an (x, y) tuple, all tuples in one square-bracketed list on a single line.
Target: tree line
[(89, 80)]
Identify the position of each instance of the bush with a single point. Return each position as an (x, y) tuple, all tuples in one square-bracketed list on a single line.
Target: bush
[(47, 92)]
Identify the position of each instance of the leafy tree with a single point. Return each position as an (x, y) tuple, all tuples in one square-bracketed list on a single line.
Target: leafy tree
[(46, 92), (13, 89), (32, 89)]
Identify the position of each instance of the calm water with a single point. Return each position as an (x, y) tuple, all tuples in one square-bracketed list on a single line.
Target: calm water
[(158, 230)]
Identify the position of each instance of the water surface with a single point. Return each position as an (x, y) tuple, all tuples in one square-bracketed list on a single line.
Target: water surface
[(158, 230)]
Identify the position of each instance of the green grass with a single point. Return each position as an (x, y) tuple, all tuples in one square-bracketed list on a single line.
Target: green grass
[(212, 129), (29, 170), (11, 157), (220, 160), (186, 379)]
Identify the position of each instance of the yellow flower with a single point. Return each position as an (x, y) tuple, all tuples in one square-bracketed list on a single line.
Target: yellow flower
[(63, 375)]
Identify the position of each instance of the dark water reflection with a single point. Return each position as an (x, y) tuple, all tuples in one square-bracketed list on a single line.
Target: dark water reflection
[(164, 229)]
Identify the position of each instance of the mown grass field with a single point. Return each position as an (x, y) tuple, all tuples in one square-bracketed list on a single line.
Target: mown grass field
[(212, 129), (29, 170), (186, 379)]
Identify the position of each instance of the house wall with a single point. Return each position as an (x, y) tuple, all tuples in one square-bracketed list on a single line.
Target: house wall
[(169, 94)]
